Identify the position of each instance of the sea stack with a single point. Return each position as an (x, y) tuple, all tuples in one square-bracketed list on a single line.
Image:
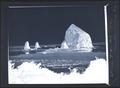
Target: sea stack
[(76, 38), (26, 47), (37, 45)]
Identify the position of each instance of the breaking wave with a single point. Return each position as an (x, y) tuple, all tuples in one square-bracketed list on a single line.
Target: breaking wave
[(31, 73)]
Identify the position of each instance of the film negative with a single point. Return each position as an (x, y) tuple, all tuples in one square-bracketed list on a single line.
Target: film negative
[(65, 44)]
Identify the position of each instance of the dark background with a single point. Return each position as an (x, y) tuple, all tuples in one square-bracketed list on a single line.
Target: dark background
[(113, 37), (48, 25)]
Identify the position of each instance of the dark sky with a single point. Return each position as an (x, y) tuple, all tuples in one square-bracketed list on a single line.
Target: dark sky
[(48, 25)]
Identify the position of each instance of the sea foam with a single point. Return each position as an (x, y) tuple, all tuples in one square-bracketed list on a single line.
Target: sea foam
[(31, 73)]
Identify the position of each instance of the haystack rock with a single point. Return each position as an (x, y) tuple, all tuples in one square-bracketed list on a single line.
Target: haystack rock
[(76, 38)]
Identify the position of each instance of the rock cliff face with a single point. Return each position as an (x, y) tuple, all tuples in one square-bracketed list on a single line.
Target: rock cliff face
[(76, 38)]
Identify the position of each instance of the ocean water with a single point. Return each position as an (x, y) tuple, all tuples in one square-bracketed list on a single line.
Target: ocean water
[(32, 73), (52, 65), (55, 59)]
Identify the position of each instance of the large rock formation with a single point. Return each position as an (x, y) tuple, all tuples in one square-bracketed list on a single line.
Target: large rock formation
[(76, 38)]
